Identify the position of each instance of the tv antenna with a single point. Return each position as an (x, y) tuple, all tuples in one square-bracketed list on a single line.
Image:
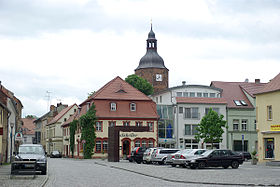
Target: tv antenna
[(48, 96)]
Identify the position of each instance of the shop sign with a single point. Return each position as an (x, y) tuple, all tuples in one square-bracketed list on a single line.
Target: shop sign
[(131, 135), (275, 127), (18, 136)]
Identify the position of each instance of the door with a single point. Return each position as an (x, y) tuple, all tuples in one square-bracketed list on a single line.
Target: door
[(214, 159), (126, 147)]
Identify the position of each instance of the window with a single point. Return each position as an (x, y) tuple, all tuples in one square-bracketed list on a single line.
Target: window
[(269, 112), (192, 94), (181, 110), (138, 124), (156, 99), (237, 103), (194, 131), (235, 124), (244, 125), (144, 143), (205, 94), (113, 106), (151, 143), (255, 124), (105, 145), (191, 144), (151, 126), (132, 107), (112, 123), (187, 129), (214, 109), (179, 94), (186, 94), (269, 147), (126, 123), (199, 94), (137, 143), (212, 95), (65, 119), (98, 146), (98, 126), (160, 99), (191, 113), (243, 103)]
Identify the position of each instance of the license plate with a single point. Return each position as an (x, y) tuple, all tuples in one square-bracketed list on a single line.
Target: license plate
[(29, 165)]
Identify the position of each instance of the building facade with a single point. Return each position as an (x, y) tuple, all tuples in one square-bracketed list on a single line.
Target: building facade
[(54, 139), (181, 109), (119, 104), (241, 113), (151, 66), (268, 121), (28, 130)]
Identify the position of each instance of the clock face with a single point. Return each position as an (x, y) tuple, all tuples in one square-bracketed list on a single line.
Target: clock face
[(158, 77)]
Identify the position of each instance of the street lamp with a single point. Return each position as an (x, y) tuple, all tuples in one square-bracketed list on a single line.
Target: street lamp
[(11, 136)]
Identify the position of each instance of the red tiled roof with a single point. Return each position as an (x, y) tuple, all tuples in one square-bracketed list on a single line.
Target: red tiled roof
[(122, 93), (61, 114), (252, 88), (118, 89), (232, 91), (28, 125), (71, 118), (273, 85), (201, 100)]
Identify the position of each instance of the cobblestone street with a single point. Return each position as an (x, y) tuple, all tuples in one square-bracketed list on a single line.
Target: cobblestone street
[(96, 172)]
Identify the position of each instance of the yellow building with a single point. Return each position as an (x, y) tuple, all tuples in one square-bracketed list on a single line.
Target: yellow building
[(268, 121)]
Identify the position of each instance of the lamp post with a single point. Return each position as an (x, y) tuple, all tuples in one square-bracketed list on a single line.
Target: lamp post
[(11, 144)]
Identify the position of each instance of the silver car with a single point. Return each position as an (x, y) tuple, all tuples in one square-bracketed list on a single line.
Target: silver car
[(160, 155), (147, 156), (181, 156)]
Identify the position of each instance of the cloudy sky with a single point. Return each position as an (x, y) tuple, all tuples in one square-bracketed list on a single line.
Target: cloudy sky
[(73, 47)]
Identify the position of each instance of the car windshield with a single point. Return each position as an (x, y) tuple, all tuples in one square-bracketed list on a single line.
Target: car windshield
[(206, 153), (186, 151), (55, 152), (31, 150)]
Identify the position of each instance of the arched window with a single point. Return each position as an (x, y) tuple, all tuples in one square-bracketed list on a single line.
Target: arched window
[(137, 143)]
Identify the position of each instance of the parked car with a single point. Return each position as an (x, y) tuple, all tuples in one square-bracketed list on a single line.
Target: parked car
[(147, 156), (169, 159), (215, 158), (159, 155), (55, 154), (30, 158), (137, 154), (181, 156), (245, 155)]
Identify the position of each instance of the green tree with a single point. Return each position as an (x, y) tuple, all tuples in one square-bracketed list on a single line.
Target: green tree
[(87, 122), (73, 128), (210, 128), (31, 116), (141, 84)]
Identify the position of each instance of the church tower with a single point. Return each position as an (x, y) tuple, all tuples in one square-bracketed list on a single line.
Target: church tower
[(151, 66)]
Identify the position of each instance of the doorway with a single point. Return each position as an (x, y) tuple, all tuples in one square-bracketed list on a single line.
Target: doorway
[(126, 148)]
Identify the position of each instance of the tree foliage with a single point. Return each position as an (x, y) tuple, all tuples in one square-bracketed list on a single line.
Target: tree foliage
[(141, 84), (87, 122), (73, 128), (210, 128)]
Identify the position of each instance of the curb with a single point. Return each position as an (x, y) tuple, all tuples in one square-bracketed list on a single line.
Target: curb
[(186, 182), (45, 181)]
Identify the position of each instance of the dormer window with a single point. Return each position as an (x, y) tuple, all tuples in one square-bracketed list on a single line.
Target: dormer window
[(243, 103), (113, 106), (237, 102), (132, 107)]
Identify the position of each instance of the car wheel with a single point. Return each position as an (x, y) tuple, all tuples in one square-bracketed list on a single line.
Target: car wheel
[(234, 164), (144, 162), (183, 166), (225, 167), (138, 162), (193, 167), (173, 165), (201, 165)]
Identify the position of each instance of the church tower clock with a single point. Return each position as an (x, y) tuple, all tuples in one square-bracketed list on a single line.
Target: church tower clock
[(151, 66)]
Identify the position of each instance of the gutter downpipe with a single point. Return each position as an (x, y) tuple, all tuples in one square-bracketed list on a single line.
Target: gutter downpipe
[(7, 145)]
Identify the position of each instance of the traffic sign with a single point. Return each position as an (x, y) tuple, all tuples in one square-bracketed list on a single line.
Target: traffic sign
[(83, 141)]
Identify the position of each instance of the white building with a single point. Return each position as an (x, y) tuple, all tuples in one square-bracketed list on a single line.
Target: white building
[(181, 109)]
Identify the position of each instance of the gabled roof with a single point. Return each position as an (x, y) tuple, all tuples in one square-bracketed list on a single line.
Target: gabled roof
[(28, 125), (252, 88), (118, 89), (233, 91), (61, 114), (272, 86), (201, 100), (70, 119)]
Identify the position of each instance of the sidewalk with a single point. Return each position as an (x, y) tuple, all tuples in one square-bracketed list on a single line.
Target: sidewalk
[(19, 180)]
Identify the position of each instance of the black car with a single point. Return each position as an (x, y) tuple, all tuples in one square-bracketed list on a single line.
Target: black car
[(30, 158), (245, 155), (216, 158), (137, 154), (55, 154)]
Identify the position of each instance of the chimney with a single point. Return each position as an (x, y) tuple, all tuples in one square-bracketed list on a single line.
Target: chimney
[(184, 83), (52, 108), (257, 81)]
